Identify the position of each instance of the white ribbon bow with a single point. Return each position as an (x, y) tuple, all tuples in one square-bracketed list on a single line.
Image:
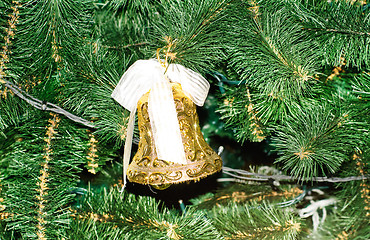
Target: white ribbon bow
[(145, 75)]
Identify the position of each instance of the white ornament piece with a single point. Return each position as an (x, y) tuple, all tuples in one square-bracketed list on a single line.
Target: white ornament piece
[(312, 210)]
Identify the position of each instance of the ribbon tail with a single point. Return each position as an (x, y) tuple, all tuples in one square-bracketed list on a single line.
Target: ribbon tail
[(128, 146), (164, 123)]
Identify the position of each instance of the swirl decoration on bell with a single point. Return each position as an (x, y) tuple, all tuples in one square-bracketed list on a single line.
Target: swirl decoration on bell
[(171, 148)]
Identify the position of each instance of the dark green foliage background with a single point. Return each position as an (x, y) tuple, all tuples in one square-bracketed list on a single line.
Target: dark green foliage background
[(268, 63)]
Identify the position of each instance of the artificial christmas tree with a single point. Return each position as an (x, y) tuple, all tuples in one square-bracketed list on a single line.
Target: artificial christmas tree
[(288, 104)]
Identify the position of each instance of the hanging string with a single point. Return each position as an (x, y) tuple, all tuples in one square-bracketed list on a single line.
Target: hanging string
[(128, 146)]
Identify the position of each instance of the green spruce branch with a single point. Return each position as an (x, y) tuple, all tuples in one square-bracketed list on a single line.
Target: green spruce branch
[(40, 174), (340, 27), (139, 217), (317, 141), (250, 221)]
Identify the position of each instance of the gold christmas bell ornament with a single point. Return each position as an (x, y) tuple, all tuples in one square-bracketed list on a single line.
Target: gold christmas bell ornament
[(171, 147)]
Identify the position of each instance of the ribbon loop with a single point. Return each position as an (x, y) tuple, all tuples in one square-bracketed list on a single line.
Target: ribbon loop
[(140, 77), (192, 83), (136, 81)]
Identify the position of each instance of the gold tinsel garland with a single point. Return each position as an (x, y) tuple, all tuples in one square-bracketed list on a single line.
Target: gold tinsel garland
[(42, 184), (365, 189), (6, 48), (3, 61), (92, 163), (106, 218), (255, 125), (260, 233)]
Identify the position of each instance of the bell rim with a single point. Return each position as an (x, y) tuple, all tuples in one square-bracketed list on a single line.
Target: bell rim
[(164, 175)]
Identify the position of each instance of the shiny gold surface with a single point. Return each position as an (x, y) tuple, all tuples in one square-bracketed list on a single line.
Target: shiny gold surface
[(202, 161)]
